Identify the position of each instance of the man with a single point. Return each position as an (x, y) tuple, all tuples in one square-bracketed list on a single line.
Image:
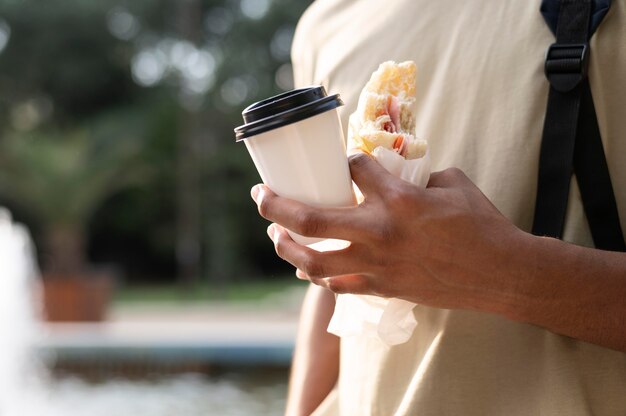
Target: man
[(508, 323)]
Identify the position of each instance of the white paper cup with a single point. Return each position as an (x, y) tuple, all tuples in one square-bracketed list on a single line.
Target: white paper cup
[(296, 142)]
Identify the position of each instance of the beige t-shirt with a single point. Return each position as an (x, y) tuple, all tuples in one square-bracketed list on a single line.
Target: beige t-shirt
[(481, 103)]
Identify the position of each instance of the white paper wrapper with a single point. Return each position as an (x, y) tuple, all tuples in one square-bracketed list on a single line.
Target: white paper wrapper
[(390, 320)]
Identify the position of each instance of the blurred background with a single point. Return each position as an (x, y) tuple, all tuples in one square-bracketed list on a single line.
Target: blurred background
[(158, 285)]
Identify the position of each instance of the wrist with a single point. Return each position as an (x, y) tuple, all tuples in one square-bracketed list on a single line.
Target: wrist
[(523, 280), (569, 290), (511, 284)]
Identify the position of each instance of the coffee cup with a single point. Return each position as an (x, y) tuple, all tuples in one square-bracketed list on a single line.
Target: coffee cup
[(296, 142)]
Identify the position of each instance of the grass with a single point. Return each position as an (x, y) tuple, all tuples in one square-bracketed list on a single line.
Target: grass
[(233, 291)]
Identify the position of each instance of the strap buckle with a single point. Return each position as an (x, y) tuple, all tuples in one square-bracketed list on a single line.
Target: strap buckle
[(566, 65)]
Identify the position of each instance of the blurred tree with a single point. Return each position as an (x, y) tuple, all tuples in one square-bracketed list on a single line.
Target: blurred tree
[(189, 221), (61, 180), (176, 73)]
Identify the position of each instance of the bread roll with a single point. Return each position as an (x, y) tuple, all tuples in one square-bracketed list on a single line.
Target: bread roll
[(384, 115)]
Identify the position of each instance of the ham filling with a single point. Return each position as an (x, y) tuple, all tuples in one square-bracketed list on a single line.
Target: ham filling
[(400, 145), (393, 109)]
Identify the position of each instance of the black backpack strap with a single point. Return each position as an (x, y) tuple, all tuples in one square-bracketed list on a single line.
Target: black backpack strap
[(592, 174), (571, 137)]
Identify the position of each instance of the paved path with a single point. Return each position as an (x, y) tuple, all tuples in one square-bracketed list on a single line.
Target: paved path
[(243, 334)]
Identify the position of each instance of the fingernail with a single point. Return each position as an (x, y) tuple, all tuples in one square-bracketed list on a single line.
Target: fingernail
[(271, 231), (256, 193), (354, 151)]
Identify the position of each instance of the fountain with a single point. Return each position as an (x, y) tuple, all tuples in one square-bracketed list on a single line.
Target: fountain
[(22, 372), (28, 389)]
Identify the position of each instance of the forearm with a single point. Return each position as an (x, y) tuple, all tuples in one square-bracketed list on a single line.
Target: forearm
[(315, 365), (571, 290)]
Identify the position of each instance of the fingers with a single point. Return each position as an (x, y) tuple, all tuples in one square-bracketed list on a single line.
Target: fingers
[(369, 176), (447, 178), (313, 265), (342, 223), (356, 284)]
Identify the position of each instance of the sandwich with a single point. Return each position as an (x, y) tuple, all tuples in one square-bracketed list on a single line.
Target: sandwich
[(384, 115)]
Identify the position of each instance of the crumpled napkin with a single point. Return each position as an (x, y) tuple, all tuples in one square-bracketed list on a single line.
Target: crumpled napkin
[(390, 320)]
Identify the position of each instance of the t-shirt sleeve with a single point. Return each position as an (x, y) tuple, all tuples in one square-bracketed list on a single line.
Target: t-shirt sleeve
[(302, 53)]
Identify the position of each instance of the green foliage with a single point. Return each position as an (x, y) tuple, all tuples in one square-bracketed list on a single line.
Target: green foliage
[(84, 139), (248, 291), (63, 177)]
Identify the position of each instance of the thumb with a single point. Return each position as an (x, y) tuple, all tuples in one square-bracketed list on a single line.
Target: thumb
[(369, 175), (447, 178)]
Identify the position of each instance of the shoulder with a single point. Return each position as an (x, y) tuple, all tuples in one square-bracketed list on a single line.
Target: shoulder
[(317, 32)]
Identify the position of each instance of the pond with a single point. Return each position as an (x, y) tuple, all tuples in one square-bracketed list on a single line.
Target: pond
[(229, 394)]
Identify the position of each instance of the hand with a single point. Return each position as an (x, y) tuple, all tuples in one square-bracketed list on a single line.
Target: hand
[(447, 246), (442, 246)]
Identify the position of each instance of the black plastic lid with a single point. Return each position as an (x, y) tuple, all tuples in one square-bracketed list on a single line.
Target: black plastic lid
[(285, 108)]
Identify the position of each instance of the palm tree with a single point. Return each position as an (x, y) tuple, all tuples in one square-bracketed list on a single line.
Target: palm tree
[(61, 179)]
